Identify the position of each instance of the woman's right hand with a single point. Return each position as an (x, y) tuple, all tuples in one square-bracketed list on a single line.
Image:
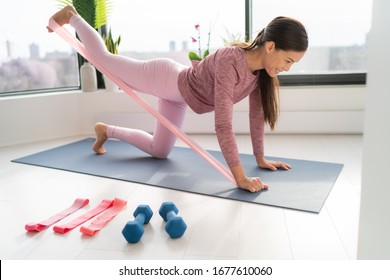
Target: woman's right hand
[(252, 184)]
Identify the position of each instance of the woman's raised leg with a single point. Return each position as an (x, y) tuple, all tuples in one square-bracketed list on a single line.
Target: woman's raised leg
[(157, 77)]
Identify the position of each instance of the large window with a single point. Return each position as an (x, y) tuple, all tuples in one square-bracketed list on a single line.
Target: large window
[(31, 59), (338, 32), (337, 29), (156, 28)]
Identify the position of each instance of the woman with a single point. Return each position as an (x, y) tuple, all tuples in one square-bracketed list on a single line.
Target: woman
[(222, 79)]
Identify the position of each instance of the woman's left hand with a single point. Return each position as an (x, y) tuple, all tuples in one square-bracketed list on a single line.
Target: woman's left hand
[(273, 165)]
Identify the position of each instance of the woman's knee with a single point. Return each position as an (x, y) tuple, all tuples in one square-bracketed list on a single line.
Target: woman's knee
[(162, 154)]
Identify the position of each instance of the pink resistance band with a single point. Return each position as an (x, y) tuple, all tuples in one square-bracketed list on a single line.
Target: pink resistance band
[(83, 218), (104, 218), (80, 48), (77, 204)]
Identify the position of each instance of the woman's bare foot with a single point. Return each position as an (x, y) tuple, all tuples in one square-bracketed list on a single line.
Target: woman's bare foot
[(63, 16), (101, 137)]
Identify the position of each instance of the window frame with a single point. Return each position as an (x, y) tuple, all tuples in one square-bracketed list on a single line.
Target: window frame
[(358, 78)]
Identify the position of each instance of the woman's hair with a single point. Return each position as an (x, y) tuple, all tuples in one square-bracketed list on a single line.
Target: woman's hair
[(288, 35)]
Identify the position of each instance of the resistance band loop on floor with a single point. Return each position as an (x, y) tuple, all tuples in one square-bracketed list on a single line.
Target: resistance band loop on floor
[(77, 204), (80, 48), (104, 218), (83, 218)]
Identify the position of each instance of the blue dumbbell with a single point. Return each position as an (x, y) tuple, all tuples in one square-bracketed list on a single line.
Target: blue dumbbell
[(134, 230), (175, 226)]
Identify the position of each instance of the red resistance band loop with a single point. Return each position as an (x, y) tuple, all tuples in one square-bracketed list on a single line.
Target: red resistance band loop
[(77, 204), (83, 218), (104, 218)]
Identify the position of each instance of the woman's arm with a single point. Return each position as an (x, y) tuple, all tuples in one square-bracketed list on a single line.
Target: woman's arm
[(257, 127), (225, 80), (257, 123)]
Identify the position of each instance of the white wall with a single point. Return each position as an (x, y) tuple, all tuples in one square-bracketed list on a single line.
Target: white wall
[(374, 227), (304, 110), (327, 109), (38, 117)]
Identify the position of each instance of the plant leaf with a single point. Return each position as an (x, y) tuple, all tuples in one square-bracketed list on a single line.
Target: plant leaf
[(101, 12), (206, 53), (86, 9), (111, 44), (193, 56)]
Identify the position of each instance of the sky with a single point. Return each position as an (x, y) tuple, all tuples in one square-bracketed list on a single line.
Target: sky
[(150, 25)]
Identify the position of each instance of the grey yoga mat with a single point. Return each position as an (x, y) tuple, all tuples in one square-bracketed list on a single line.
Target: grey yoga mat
[(304, 187)]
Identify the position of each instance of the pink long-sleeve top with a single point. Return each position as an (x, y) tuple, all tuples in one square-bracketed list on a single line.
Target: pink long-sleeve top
[(216, 84)]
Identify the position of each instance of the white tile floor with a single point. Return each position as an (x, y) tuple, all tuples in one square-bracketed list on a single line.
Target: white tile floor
[(217, 228)]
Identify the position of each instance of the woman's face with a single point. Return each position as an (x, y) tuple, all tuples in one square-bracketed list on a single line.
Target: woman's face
[(278, 61)]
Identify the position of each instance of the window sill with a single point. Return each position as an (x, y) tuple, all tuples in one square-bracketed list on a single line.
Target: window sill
[(323, 79)]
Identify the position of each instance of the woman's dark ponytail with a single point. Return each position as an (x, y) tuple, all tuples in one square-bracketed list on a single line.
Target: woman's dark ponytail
[(269, 94)]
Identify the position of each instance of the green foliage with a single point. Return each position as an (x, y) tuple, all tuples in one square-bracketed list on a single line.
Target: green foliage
[(111, 44), (193, 56), (94, 12)]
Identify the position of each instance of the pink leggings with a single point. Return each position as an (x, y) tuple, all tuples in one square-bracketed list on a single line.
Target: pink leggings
[(157, 77)]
